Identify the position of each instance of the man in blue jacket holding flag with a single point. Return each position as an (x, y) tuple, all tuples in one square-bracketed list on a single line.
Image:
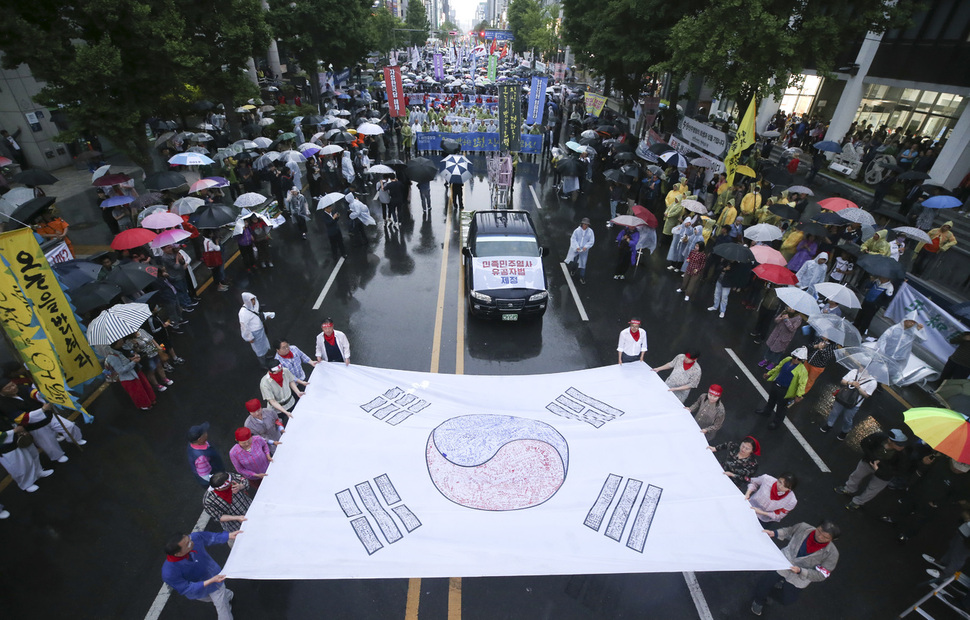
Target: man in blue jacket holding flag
[(192, 572)]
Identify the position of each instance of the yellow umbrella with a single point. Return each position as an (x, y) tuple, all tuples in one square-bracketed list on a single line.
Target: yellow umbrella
[(944, 430), (352, 131), (746, 171), (248, 106)]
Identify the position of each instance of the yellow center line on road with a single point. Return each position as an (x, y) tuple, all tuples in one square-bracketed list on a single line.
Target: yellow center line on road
[(414, 598), (454, 598), (460, 335), (442, 282)]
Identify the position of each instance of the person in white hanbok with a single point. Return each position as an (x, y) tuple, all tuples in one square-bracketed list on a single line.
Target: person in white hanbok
[(251, 326), (580, 242), (896, 343), (811, 273), (23, 464)]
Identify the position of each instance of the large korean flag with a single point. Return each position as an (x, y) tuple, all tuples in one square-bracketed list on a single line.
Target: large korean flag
[(386, 473)]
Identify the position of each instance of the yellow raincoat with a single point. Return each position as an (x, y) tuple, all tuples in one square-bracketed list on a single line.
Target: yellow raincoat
[(673, 213), (947, 240), (749, 204), (790, 242), (877, 244), (728, 214)]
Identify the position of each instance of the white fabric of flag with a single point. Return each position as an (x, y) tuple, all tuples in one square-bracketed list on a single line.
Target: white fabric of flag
[(392, 474)]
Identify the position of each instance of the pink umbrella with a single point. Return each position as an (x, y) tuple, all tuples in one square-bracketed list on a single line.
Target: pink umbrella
[(837, 204), (202, 184), (766, 255), (164, 219), (169, 237)]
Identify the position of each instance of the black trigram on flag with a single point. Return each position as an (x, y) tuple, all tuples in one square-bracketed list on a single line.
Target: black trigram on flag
[(578, 406), (372, 504), (395, 406), (623, 509)]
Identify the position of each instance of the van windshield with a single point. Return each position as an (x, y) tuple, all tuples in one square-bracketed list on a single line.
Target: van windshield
[(498, 245)]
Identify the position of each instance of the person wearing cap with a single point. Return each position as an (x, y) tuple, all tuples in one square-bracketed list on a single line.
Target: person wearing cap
[(685, 373), (226, 500), (938, 484), (884, 457), (298, 208), (332, 344), (811, 273), (896, 343), (264, 421), (251, 326), (191, 571), (203, 458), (786, 324), (857, 386), (580, 242), (709, 412), (279, 387), (250, 456), (741, 461), (292, 358), (941, 240), (788, 380), (772, 498), (632, 345), (813, 556)]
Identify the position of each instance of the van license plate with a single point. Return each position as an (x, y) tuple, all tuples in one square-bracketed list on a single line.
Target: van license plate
[(510, 317)]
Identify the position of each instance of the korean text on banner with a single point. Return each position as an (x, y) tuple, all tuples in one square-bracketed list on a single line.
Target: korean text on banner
[(492, 66), (537, 99), (595, 104), (703, 136), (938, 325), (34, 275), (477, 141), (439, 67), (742, 140), (396, 103), (509, 117), (23, 328)]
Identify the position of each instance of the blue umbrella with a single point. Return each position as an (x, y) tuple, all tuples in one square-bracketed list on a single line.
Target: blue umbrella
[(942, 202), (115, 201), (828, 145)]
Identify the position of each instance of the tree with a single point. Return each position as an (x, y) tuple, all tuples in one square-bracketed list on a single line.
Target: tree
[(482, 25), (533, 26), (330, 31), (746, 48), (417, 19), (386, 31)]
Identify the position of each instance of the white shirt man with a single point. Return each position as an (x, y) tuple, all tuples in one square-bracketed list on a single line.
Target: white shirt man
[(632, 344)]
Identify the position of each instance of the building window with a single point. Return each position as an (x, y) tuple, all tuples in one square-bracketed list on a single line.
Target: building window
[(926, 113), (800, 98)]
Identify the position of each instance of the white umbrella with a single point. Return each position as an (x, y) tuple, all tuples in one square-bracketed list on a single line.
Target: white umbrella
[(763, 233), (203, 137), (800, 189), (575, 146), (771, 134), (117, 322), (187, 205), (674, 158), (328, 199), (859, 216), (331, 149), (264, 161), (457, 169), (370, 129), (265, 122), (291, 156), (262, 142), (836, 329), (694, 206), (839, 293), (250, 199), (19, 195), (100, 172), (6, 207), (798, 300), (380, 169), (883, 369), (245, 144), (913, 233), (342, 112), (317, 136)]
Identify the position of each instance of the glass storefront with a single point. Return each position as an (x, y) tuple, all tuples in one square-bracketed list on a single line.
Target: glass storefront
[(799, 98), (924, 112)]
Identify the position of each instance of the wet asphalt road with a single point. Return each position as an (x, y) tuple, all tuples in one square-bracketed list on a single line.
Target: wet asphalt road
[(89, 543)]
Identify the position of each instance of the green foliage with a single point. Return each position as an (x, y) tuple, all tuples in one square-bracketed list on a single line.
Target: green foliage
[(533, 26), (385, 31), (740, 46), (482, 25), (417, 19)]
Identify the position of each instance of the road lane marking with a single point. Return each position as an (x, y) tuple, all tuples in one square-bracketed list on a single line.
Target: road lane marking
[(326, 288), (454, 598), (788, 424), (572, 287), (166, 591), (703, 611), (442, 281), (200, 289), (535, 197), (460, 335), (414, 599)]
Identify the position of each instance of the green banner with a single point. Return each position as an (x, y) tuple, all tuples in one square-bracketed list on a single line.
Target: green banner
[(509, 117), (492, 67)]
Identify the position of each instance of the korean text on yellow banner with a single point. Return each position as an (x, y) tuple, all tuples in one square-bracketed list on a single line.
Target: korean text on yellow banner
[(742, 140), (33, 273), (23, 328), (595, 104)]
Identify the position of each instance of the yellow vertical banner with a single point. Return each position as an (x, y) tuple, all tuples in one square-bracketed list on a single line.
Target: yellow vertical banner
[(595, 104), (742, 140), (30, 270), (37, 352)]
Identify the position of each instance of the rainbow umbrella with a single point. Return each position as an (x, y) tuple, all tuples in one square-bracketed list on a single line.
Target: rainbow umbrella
[(944, 430)]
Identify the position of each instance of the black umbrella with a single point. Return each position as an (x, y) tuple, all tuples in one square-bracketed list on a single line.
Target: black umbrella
[(660, 148), (612, 175), (884, 266), (92, 295), (450, 146), (631, 170), (146, 200), (169, 125), (777, 176), (161, 181), (213, 216), (852, 249), (35, 177), (624, 156), (624, 147), (202, 105), (31, 209), (316, 119), (827, 218), (939, 188), (570, 167), (734, 252), (342, 138), (74, 273), (422, 170), (913, 175), (785, 212), (393, 162), (817, 230), (133, 277), (610, 129)]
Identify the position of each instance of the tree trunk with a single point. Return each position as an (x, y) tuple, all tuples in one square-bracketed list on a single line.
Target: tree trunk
[(232, 119), (136, 146), (607, 84)]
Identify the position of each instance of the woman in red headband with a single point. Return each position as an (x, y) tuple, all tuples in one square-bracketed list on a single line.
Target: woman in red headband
[(709, 412), (686, 374)]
